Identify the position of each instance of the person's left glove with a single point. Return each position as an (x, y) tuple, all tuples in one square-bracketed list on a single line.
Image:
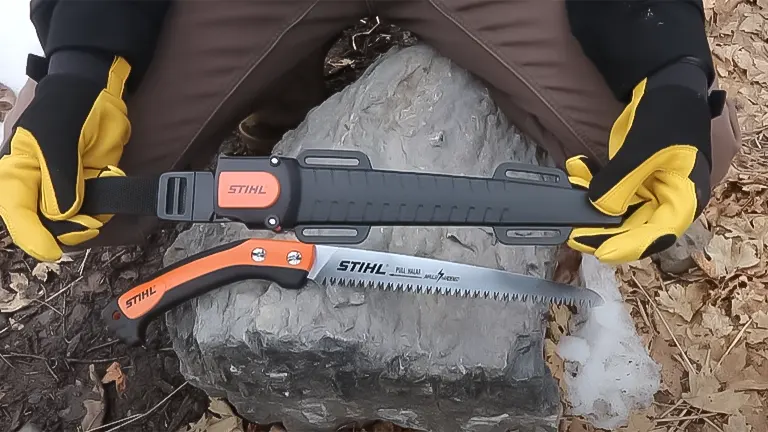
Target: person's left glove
[(658, 173), (75, 128)]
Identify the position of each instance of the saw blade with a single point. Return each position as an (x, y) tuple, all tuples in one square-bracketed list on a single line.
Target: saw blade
[(398, 272)]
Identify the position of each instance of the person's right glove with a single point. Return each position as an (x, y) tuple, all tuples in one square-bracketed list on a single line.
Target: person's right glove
[(658, 173), (75, 128)]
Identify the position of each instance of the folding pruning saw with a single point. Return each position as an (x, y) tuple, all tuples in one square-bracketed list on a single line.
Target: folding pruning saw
[(291, 263)]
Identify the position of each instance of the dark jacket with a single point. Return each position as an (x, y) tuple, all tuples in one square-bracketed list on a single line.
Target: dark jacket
[(627, 40)]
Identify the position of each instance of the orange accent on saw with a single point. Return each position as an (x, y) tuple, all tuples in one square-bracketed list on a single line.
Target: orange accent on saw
[(139, 300), (247, 189)]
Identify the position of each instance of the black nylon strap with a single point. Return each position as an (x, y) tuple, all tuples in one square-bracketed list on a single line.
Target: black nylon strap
[(121, 195), (717, 102), (37, 67)]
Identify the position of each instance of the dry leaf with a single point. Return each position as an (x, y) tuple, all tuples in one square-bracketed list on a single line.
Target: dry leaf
[(41, 270), (756, 418), (756, 336), (732, 365), (709, 8), (568, 263), (639, 422), (15, 325), (761, 319), (676, 323), (746, 256), (558, 324), (726, 257), (95, 409), (716, 322), (703, 384), (93, 283), (65, 258), (129, 275), (643, 270), (743, 59), (746, 298), (218, 418), (115, 374), (679, 300), (697, 353), (725, 52), (737, 423), (726, 402), (555, 363), (719, 251), (752, 24), (761, 71), (749, 384), (19, 296), (671, 370), (579, 425)]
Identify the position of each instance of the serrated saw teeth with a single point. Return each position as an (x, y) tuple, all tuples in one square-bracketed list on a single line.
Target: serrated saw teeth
[(456, 292)]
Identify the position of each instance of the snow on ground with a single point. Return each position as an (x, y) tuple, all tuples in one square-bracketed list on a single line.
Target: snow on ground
[(610, 374), (19, 39)]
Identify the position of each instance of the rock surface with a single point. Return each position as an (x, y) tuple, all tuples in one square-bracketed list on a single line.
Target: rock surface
[(679, 257), (325, 356)]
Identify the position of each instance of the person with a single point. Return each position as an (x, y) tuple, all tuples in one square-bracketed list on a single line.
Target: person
[(623, 94)]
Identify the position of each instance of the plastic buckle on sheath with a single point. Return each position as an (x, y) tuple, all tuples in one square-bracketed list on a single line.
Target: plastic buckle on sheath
[(186, 196)]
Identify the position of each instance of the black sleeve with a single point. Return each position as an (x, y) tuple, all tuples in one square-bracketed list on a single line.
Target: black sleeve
[(127, 28), (630, 40)]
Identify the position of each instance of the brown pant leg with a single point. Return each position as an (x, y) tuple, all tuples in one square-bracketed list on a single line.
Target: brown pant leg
[(285, 104), (217, 62), (536, 70)]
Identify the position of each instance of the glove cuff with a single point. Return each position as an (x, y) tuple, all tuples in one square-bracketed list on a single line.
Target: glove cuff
[(681, 73), (90, 65), (689, 72)]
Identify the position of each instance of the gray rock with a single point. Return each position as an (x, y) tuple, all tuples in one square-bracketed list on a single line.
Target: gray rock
[(30, 427), (679, 257), (325, 356)]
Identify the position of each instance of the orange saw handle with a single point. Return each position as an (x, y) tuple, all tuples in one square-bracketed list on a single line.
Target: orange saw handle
[(284, 262)]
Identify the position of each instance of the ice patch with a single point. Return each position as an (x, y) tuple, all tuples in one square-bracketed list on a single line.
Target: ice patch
[(608, 372)]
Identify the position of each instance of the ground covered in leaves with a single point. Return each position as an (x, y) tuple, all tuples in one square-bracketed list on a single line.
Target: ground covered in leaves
[(708, 328)]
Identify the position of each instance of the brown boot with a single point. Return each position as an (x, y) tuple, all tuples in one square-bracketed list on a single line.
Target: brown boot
[(258, 140)]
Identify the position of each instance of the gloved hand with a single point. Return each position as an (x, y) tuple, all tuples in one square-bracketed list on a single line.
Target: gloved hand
[(75, 128), (658, 173)]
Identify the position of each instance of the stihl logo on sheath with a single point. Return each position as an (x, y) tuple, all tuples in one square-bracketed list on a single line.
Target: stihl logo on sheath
[(143, 295), (247, 189), (361, 267)]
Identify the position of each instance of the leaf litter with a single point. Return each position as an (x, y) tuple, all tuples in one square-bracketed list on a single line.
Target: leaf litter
[(18, 294), (114, 374), (95, 408), (710, 334)]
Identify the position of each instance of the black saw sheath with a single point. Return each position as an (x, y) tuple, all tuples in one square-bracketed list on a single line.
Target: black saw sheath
[(338, 191)]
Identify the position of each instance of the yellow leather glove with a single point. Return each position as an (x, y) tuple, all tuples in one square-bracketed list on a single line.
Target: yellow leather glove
[(658, 173), (74, 129)]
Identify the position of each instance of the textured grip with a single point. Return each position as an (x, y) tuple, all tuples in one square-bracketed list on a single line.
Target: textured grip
[(344, 197), (345, 193), (286, 263)]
